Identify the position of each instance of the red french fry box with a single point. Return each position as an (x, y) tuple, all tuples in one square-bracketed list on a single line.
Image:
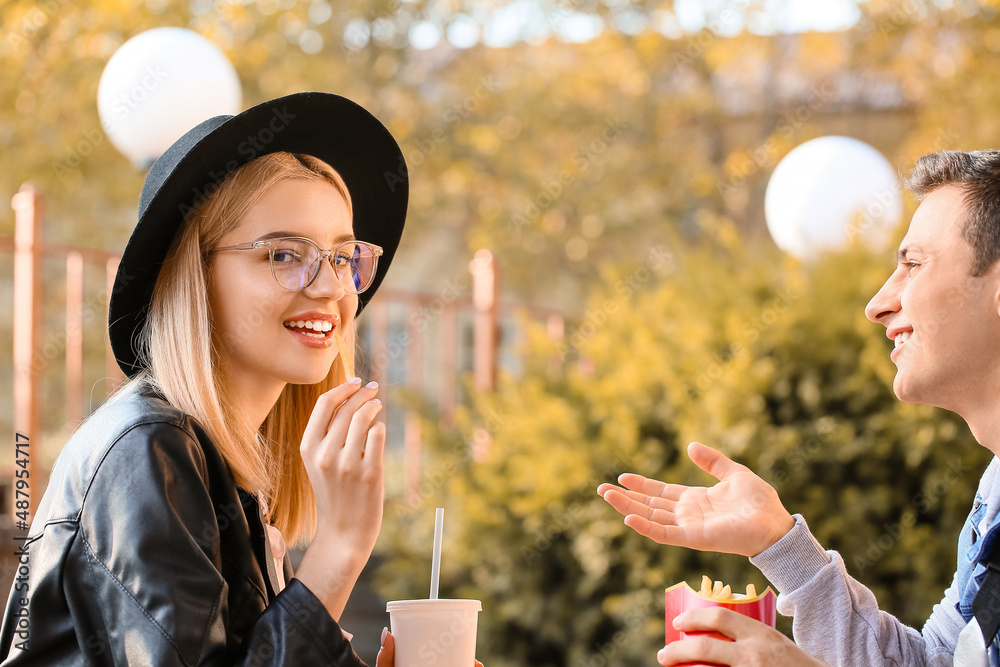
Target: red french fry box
[(681, 597)]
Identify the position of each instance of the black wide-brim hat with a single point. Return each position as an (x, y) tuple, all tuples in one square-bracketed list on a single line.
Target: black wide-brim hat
[(326, 126)]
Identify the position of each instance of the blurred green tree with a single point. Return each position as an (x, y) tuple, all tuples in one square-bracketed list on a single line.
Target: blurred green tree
[(726, 343)]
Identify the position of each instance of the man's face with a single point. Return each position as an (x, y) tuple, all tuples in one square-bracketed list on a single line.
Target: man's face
[(945, 322)]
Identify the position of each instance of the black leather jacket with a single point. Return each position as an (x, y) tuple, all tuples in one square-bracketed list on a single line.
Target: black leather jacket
[(144, 552)]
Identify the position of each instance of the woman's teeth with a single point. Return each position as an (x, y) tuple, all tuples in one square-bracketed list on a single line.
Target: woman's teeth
[(903, 337), (314, 328)]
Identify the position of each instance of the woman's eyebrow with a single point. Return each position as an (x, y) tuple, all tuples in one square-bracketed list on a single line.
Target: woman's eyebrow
[(279, 234)]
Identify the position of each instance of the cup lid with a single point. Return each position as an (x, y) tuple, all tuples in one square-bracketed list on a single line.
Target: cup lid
[(410, 605)]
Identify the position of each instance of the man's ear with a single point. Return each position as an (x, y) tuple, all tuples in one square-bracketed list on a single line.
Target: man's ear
[(992, 277)]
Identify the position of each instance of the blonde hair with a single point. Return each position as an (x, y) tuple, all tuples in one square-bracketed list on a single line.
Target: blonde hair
[(180, 356)]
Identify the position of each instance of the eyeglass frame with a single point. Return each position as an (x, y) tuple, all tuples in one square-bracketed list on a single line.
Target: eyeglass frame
[(324, 253)]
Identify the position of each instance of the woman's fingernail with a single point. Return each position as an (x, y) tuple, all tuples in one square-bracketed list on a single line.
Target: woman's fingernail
[(385, 632), (661, 655), (354, 381), (377, 401), (677, 621), (372, 385)]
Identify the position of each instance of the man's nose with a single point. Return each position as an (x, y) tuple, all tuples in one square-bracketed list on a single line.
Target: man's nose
[(884, 303)]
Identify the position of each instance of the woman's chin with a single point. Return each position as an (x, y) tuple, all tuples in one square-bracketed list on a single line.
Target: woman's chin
[(312, 376)]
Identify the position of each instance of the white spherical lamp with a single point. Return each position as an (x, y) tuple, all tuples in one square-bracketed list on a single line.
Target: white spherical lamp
[(160, 84), (829, 192)]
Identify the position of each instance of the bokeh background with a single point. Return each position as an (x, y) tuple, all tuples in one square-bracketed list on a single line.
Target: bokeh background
[(613, 155)]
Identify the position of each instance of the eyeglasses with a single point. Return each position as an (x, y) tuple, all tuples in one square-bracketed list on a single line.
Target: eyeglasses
[(295, 261)]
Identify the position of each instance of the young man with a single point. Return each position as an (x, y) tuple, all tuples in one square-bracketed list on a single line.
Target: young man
[(941, 306)]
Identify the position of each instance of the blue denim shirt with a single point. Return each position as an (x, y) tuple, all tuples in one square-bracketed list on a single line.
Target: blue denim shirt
[(975, 542)]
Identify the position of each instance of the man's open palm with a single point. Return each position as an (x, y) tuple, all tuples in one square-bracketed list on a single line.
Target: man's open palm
[(742, 514)]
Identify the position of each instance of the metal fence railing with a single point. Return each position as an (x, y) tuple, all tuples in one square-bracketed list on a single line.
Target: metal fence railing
[(398, 344)]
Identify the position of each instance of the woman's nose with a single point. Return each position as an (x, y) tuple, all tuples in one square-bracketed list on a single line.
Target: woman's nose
[(327, 283)]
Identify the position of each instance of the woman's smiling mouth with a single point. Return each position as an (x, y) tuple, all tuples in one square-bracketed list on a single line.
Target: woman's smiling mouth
[(314, 329), (311, 328)]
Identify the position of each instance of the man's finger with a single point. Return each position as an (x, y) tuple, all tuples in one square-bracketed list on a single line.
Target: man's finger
[(664, 534), (626, 505), (699, 650), (655, 502), (714, 462), (651, 487), (719, 619), (604, 488)]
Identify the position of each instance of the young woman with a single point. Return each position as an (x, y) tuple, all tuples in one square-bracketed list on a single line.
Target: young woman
[(160, 539)]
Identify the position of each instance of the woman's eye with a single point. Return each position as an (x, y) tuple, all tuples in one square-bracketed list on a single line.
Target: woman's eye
[(285, 256), (343, 259)]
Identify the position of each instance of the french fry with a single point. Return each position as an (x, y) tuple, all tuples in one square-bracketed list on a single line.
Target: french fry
[(346, 359), (719, 592), (346, 365)]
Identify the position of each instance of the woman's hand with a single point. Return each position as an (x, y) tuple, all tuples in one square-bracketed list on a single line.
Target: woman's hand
[(754, 644), (342, 449), (387, 654), (741, 514)]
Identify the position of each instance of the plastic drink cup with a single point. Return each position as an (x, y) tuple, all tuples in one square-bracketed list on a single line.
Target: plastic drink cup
[(434, 633), (681, 597)]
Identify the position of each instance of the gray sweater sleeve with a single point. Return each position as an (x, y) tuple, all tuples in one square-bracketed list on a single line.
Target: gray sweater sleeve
[(837, 620)]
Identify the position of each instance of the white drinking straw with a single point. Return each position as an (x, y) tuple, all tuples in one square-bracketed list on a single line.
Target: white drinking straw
[(436, 561)]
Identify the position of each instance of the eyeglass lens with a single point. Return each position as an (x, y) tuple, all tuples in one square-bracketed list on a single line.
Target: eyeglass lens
[(296, 263)]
